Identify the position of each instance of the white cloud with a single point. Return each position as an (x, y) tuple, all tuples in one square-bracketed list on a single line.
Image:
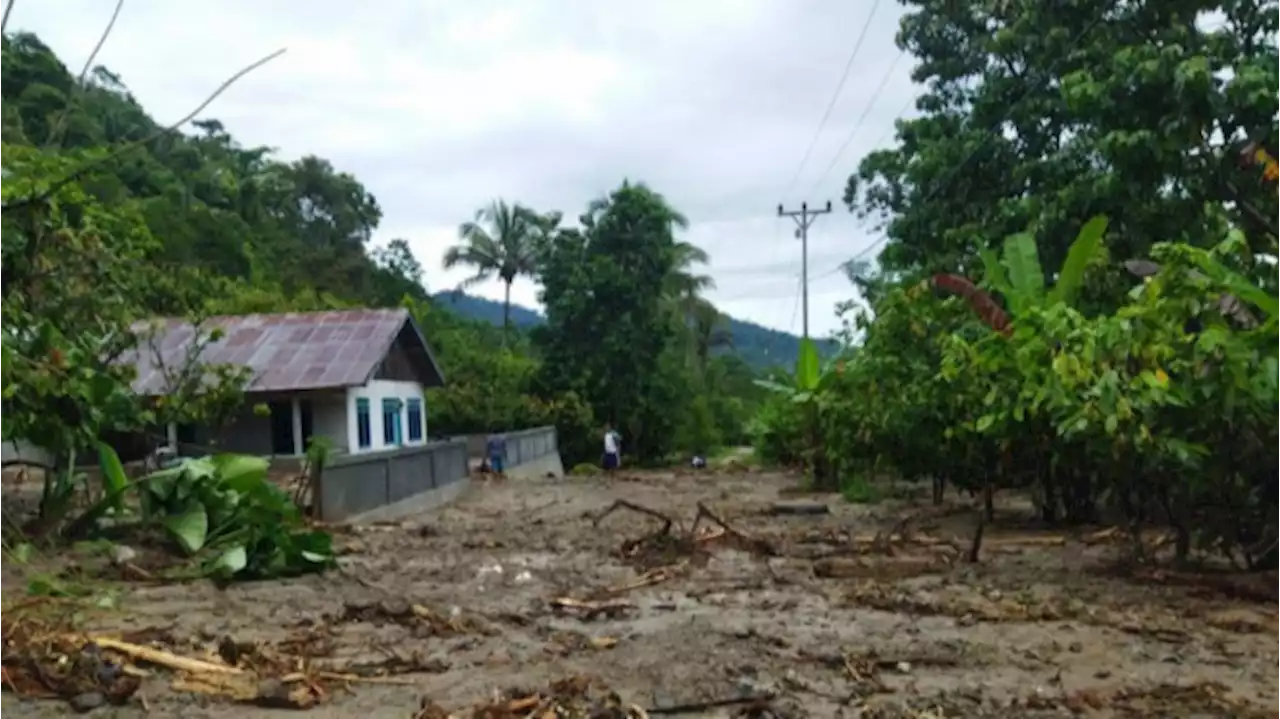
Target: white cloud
[(439, 106)]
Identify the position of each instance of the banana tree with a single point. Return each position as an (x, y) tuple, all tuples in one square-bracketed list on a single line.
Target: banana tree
[(808, 382), (1019, 277)]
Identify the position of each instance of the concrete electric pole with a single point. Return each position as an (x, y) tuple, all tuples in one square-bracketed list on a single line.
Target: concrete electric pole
[(804, 217)]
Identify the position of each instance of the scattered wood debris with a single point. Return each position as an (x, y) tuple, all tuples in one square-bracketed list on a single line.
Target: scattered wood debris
[(590, 609), (665, 546), (577, 696), (46, 657), (422, 619)]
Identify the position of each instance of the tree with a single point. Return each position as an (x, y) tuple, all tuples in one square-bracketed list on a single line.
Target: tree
[(685, 284), (401, 273), (499, 241), (607, 335), (1038, 115)]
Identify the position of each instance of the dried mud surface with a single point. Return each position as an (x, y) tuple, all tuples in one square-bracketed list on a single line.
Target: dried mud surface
[(850, 613)]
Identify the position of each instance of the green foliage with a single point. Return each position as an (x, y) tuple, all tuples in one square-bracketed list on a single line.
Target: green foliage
[(609, 336), (1154, 403), (195, 225), (499, 242), (223, 511)]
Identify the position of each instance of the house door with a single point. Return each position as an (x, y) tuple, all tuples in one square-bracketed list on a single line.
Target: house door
[(281, 428)]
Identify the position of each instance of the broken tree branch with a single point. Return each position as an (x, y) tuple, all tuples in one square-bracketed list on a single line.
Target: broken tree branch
[(59, 125), (754, 543), (8, 10), (667, 522)]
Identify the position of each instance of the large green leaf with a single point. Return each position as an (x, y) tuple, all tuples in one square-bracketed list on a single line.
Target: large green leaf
[(993, 273), (1081, 252), (114, 480), (808, 368), (1239, 285), (230, 562), (241, 472), (190, 527), (1026, 276)]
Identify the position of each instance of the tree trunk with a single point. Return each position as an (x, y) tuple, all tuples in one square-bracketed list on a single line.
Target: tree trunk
[(506, 313)]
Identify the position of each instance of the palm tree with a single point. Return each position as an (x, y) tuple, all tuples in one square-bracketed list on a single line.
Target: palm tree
[(710, 331), (684, 284), (499, 242)]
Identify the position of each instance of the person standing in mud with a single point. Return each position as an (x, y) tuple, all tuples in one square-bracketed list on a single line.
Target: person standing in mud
[(496, 448), (612, 449)]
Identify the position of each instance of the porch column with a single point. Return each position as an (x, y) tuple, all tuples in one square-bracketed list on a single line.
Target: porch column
[(171, 434), (296, 405)]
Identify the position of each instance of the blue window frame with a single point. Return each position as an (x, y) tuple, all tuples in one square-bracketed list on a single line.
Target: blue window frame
[(392, 433), (364, 431), (415, 419)]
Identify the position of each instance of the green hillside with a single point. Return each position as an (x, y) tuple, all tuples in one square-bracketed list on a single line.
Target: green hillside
[(758, 346)]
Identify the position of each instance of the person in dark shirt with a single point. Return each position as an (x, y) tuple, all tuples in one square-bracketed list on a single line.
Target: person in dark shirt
[(496, 448)]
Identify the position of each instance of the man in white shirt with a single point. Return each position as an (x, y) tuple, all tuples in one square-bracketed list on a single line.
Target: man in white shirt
[(612, 449)]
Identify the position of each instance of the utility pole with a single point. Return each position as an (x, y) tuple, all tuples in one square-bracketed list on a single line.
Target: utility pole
[(804, 217)]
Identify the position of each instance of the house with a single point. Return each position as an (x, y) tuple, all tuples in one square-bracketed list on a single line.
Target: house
[(355, 377)]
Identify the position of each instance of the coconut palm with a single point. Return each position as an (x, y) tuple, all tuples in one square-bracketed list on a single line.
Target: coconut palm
[(499, 242), (709, 331), (684, 284)]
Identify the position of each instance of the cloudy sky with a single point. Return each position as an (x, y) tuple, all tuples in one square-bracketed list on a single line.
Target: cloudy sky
[(437, 106)]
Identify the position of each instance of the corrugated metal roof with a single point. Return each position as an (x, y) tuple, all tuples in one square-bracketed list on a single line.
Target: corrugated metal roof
[(285, 352)]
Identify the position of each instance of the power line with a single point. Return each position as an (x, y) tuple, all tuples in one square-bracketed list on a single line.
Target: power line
[(835, 96), (937, 187), (857, 127)]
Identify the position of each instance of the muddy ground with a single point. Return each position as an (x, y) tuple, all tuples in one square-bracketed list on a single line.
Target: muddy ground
[(851, 613)]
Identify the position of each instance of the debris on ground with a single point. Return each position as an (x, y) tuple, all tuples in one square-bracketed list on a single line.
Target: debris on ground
[(671, 542), (577, 696), (800, 507), (589, 698), (45, 656), (423, 620), (42, 659)]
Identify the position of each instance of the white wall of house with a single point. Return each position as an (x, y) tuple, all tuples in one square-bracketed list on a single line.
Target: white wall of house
[(375, 391)]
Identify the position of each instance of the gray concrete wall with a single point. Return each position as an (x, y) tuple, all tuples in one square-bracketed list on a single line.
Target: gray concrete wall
[(21, 451), (353, 486), (382, 486), (533, 453)]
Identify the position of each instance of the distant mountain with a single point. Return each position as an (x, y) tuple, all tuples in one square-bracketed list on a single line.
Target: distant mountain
[(479, 308), (758, 346)]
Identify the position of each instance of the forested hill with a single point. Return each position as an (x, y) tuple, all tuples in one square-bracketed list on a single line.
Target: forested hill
[(758, 346)]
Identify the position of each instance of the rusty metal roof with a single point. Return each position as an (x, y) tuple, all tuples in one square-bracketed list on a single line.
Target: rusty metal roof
[(286, 352)]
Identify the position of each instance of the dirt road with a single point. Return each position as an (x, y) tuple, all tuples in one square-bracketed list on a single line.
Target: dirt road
[(833, 615)]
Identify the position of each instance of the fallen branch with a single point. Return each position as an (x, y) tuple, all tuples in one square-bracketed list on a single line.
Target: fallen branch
[(702, 706), (754, 543), (667, 522), (649, 578), (165, 659), (591, 608)]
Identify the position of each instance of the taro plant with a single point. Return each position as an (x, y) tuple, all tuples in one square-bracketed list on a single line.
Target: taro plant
[(223, 510)]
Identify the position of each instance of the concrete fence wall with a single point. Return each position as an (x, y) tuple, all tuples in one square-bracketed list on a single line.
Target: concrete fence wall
[(382, 485), (528, 445), (386, 485)]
